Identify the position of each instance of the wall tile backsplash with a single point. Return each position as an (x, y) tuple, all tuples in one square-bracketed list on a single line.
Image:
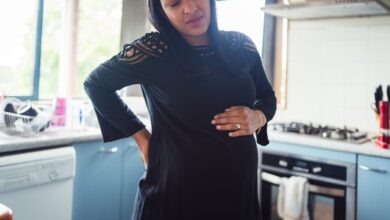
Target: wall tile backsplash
[(334, 67)]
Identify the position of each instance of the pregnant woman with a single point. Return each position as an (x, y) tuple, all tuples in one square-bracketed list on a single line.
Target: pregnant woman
[(207, 96)]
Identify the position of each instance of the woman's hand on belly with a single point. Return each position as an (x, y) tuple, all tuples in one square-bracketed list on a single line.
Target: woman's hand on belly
[(239, 121)]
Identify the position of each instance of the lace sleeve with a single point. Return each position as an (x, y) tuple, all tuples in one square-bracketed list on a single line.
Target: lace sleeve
[(151, 45), (133, 65)]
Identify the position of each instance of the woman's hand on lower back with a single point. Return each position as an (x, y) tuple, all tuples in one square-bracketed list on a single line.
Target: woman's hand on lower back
[(142, 138)]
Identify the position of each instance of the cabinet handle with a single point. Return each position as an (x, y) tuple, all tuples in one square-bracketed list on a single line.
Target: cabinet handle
[(376, 170), (108, 150), (133, 146)]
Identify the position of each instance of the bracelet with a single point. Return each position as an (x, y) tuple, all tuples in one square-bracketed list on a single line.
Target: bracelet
[(261, 121)]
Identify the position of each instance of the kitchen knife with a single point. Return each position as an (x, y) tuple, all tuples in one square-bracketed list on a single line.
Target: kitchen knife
[(378, 96)]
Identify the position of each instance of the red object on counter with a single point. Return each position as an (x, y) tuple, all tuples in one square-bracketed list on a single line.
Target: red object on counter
[(383, 140)]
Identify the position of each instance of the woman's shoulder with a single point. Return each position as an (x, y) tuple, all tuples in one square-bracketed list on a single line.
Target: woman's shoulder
[(236, 40), (150, 45)]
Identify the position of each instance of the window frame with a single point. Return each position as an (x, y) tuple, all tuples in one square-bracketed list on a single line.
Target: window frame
[(37, 57)]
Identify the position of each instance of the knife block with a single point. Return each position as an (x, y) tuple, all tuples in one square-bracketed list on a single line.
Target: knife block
[(383, 139)]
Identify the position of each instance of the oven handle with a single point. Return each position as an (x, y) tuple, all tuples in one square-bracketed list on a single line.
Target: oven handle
[(312, 188), (375, 170)]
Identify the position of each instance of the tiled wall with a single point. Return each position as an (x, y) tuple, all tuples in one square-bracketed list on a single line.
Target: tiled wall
[(334, 67)]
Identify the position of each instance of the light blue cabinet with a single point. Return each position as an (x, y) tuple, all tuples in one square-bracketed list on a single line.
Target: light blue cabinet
[(106, 179), (133, 169), (373, 194)]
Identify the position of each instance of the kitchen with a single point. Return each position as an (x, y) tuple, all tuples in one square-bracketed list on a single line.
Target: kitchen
[(325, 72)]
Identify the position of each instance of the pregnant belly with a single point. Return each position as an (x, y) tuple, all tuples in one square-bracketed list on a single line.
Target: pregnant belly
[(193, 156), (222, 160)]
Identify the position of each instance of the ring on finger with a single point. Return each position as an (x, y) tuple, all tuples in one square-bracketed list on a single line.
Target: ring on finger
[(238, 126)]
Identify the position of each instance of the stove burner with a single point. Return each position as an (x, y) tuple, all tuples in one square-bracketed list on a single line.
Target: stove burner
[(329, 132)]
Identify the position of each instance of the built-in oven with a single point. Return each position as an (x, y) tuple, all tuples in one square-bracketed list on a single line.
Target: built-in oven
[(331, 184)]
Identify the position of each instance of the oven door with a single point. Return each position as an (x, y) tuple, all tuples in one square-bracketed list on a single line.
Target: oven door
[(326, 201)]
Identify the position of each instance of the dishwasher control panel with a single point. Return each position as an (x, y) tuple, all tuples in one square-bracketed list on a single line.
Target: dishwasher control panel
[(32, 173)]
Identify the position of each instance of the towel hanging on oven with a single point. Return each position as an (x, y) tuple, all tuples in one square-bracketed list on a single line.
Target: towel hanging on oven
[(293, 198)]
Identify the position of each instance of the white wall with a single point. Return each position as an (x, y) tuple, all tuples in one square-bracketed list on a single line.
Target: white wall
[(133, 20), (134, 25), (334, 67)]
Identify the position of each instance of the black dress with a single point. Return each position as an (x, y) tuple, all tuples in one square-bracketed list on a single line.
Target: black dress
[(195, 172)]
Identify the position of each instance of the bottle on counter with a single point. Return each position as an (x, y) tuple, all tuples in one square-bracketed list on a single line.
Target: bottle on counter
[(59, 112)]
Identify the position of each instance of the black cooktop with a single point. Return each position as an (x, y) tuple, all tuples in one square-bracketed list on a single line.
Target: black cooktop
[(345, 133)]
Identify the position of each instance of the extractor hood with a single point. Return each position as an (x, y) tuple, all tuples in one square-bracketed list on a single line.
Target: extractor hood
[(320, 9)]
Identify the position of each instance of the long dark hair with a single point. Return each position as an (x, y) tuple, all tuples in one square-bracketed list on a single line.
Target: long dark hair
[(176, 42)]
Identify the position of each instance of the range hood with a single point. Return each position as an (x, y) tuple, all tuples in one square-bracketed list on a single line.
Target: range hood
[(321, 9)]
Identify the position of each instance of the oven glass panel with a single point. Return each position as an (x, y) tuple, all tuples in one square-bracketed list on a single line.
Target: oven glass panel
[(320, 207), (323, 207)]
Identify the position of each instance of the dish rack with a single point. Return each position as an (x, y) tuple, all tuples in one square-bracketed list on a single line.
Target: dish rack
[(16, 120), (13, 123)]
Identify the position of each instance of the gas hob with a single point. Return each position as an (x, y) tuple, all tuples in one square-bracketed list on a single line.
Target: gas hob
[(347, 134)]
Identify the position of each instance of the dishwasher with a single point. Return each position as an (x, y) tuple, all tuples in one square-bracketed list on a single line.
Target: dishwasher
[(38, 185)]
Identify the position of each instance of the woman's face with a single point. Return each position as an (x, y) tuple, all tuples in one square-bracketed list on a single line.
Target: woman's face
[(191, 18)]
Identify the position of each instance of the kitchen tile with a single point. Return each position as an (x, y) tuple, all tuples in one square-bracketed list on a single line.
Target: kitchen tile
[(356, 117), (346, 50), (379, 50), (343, 33), (305, 34), (333, 96), (356, 73), (379, 32), (337, 64), (308, 51), (356, 97), (332, 115), (333, 75), (379, 73)]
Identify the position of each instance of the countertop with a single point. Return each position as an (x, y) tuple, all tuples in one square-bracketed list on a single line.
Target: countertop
[(63, 138), (66, 136), (367, 148), (47, 139), (54, 138)]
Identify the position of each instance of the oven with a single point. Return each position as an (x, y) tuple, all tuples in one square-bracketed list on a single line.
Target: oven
[(331, 184)]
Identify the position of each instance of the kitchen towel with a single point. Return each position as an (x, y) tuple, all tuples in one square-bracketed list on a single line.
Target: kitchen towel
[(293, 198)]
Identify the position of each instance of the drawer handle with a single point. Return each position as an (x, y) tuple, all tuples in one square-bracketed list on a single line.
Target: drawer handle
[(109, 150), (376, 170)]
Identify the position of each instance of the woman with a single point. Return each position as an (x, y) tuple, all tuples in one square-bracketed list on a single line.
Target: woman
[(206, 94)]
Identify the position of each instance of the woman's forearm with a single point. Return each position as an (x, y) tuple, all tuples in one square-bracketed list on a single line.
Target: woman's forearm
[(142, 138)]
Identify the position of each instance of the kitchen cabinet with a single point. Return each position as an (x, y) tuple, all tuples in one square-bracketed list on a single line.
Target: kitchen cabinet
[(373, 194), (132, 170), (106, 179)]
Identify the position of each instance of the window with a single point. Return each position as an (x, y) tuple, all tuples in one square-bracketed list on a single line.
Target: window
[(51, 45), (98, 22), (40, 26), (19, 55), (98, 36)]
